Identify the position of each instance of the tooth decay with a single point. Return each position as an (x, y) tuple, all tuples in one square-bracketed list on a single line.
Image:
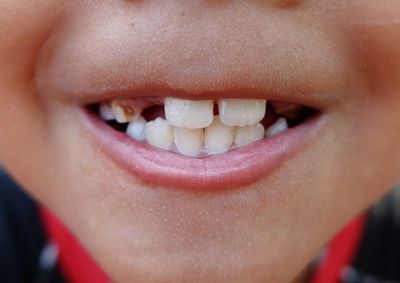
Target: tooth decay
[(125, 110), (190, 126)]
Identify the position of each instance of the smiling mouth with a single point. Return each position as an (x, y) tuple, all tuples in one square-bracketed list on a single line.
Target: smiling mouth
[(207, 144), (201, 128)]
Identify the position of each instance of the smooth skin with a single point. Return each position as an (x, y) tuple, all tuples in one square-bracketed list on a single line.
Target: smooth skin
[(55, 54)]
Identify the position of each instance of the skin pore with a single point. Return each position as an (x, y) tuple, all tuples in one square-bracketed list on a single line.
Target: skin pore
[(56, 56)]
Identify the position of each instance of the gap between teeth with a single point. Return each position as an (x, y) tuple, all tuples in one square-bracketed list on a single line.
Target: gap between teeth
[(191, 128)]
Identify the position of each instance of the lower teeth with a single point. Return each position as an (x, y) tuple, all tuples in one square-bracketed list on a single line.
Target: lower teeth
[(216, 138)]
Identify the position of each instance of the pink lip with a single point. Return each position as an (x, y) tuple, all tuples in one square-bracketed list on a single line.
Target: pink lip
[(231, 170)]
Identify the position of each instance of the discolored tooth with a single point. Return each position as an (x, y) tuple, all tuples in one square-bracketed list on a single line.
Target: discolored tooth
[(105, 112), (159, 133), (249, 134), (188, 141), (288, 110), (136, 129), (218, 138), (125, 110), (191, 114), (241, 112), (278, 127)]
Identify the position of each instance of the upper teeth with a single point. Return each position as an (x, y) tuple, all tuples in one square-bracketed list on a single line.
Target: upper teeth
[(241, 112), (191, 127), (125, 110), (188, 113), (105, 112), (136, 129)]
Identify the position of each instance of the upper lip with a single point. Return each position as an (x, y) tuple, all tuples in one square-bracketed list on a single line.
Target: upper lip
[(164, 56), (99, 83)]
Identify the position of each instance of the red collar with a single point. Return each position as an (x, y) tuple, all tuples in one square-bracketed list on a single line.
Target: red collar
[(75, 262), (340, 252), (79, 267)]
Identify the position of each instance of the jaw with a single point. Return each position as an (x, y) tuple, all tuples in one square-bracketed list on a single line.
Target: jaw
[(225, 226)]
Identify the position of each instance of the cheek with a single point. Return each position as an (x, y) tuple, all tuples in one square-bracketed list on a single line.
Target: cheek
[(372, 30), (377, 55), (378, 58), (24, 26)]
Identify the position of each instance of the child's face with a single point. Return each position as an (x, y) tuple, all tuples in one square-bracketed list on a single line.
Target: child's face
[(141, 211)]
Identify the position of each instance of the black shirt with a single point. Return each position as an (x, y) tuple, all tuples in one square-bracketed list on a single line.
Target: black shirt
[(24, 248)]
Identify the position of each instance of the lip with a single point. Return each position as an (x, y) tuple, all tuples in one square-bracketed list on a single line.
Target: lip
[(236, 168)]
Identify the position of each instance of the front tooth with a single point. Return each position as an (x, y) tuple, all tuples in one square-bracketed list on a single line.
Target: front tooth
[(136, 129), (159, 133), (218, 137), (191, 114), (188, 141), (278, 127), (249, 134), (125, 110), (105, 112), (241, 112)]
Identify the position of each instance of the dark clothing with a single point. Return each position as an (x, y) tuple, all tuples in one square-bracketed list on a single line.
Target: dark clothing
[(378, 258), (23, 243)]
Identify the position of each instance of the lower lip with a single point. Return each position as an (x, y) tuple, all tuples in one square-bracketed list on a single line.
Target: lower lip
[(234, 169)]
